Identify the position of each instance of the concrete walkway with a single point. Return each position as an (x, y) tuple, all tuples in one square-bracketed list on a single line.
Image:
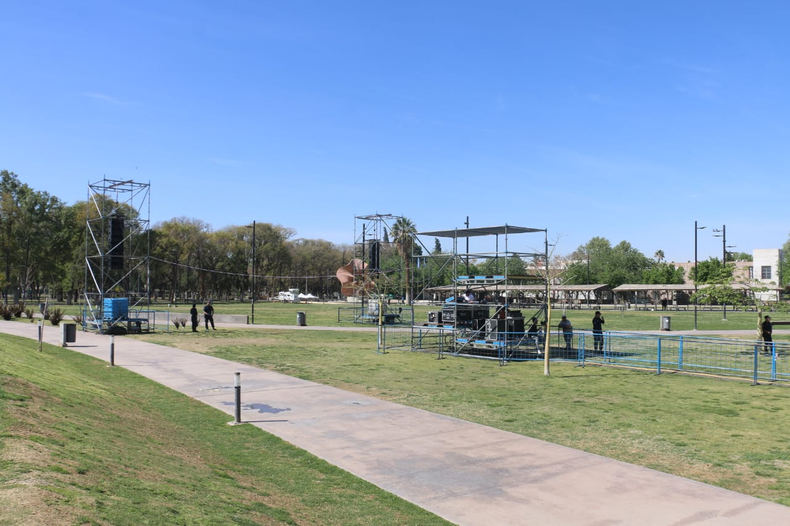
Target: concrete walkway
[(467, 473)]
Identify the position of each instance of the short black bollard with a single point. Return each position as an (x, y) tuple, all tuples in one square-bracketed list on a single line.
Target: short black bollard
[(112, 351), (238, 398), (40, 336)]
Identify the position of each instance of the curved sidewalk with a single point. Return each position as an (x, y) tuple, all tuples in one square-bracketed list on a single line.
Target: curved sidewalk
[(467, 473)]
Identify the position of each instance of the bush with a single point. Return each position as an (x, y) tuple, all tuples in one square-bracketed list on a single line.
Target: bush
[(78, 319), (6, 312), (29, 314), (17, 310), (55, 316)]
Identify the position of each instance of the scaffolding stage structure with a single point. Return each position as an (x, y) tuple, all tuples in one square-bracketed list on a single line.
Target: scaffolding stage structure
[(479, 319), (117, 286), (370, 287)]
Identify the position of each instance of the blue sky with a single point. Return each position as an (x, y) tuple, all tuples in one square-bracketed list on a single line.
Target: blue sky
[(626, 120)]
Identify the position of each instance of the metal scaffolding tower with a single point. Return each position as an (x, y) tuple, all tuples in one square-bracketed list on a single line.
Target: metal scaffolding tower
[(117, 251)]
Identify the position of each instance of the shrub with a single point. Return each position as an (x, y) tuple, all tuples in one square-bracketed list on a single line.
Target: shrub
[(6, 313), (55, 316), (29, 314), (17, 310), (177, 322), (78, 319)]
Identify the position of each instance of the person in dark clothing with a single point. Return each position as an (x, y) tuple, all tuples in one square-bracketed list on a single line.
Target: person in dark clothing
[(532, 331), (567, 331), (208, 314), (767, 330), (194, 313), (597, 323)]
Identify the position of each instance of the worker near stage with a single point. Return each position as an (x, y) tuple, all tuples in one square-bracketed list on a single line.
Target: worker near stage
[(597, 323), (767, 330)]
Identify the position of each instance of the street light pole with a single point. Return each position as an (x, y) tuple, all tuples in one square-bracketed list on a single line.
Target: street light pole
[(252, 295), (723, 237), (696, 228), (467, 246)]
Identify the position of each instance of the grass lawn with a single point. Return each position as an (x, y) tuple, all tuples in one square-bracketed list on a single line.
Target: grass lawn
[(82, 443), (326, 314), (726, 433)]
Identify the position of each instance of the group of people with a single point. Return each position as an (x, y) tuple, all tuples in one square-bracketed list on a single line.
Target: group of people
[(565, 326), (208, 315)]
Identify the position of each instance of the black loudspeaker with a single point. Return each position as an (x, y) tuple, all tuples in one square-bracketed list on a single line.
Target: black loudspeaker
[(373, 257), (116, 243)]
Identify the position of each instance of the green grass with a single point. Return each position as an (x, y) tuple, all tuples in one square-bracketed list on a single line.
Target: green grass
[(82, 443), (726, 433), (325, 314)]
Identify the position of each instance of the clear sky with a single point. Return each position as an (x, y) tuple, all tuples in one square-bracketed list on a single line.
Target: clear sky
[(621, 119)]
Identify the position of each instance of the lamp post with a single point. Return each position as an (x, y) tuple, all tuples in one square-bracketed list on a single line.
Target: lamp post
[(467, 246), (723, 235), (252, 296), (696, 228)]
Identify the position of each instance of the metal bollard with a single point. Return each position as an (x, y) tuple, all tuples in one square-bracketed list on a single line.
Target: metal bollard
[(112, 350), (40, 335), (237, 386)]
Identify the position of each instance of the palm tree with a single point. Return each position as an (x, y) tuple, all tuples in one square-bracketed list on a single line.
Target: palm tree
[(659, 255), (402, 233)]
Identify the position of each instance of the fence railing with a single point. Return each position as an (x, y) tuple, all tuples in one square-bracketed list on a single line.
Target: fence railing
[(755, 360)]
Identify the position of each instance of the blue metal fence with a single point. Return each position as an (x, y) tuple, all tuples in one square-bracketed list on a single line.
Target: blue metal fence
[(751, 359)]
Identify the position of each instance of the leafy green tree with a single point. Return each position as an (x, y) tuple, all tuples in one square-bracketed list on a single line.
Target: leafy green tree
[(599, 262), (739, 256), (663, 274), (712, 271)]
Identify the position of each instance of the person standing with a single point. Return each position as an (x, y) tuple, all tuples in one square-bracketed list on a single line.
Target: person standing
[(208, 314), (767, 330), (193, 312), (597, 323), (567, 331)]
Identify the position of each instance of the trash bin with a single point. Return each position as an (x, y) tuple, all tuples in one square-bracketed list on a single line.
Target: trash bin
[(301, 319), (665, 326), (68, 333)]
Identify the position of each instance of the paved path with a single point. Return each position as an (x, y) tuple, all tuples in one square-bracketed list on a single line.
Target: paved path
[(467, 473)]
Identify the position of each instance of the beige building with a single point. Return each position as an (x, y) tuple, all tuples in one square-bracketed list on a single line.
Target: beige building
[(764, 270)]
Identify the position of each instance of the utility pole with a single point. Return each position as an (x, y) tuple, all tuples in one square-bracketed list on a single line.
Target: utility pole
[(723, 236), (696, 228), (467, 246), (252, 319)]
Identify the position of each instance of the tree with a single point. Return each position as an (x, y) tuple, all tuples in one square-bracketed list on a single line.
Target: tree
[(659, 255), (437, 246), (711, 271), (403, 232), (739, 256), (663, 274)]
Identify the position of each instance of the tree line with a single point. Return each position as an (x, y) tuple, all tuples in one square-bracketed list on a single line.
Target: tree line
[(43, 250)]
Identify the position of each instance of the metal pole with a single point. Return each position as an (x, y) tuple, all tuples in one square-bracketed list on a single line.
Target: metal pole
[(40, 335), (467, 246), (112, 350), (695, 271), (695, 275), (724, 260), (237, 387), (253, 273)]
